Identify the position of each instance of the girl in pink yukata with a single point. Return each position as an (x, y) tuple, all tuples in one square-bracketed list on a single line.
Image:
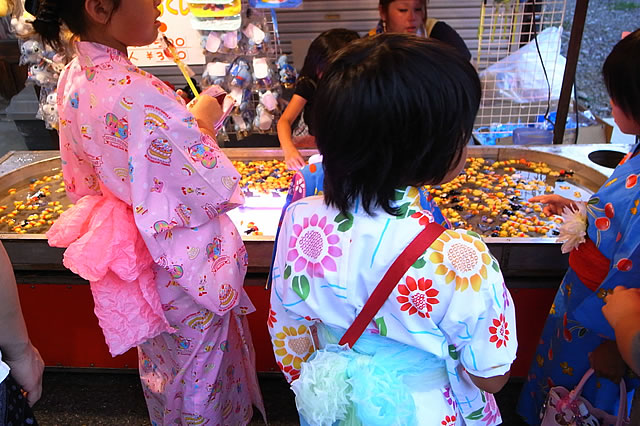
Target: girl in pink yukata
[(151, 188)]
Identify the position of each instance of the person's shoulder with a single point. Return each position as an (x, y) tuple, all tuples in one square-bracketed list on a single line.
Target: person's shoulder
[(445, 33), (465, 255), (307, 206), (314, 202), (147, 89), (470, 239), (305, 87)]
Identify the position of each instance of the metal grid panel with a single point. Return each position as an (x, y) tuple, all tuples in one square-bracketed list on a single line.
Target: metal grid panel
[(506, 26)]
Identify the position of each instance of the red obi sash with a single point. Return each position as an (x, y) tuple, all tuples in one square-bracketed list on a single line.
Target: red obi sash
[(589, 264)]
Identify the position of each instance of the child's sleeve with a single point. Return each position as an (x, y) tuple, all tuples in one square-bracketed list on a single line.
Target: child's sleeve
[(178, 173), (479, 322), (290, 332), (181, 183)]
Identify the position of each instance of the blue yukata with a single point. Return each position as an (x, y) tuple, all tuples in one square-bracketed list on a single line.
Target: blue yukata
[(575, 325)]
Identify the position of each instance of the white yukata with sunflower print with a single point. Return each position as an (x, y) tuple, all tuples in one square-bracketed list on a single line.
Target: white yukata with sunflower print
[(452, 304)]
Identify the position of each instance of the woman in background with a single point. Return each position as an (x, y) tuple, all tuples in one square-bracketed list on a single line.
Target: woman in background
[(410, 16)]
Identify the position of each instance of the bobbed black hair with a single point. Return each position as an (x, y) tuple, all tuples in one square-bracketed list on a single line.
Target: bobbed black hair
[(321, 49), (53, 13), (621, 72), (390, 111)]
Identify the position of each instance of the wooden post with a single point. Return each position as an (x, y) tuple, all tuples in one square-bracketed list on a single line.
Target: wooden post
[(577, 28)]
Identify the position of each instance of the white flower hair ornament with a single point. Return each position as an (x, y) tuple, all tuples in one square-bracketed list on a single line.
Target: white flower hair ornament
[(574, 228)]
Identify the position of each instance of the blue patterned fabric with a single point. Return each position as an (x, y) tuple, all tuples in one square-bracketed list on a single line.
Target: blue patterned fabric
[(575, 325)]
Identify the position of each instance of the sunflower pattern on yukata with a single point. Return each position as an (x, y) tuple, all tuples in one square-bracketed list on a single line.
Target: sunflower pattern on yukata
[(575, 325), (452, 302), (309, 181)]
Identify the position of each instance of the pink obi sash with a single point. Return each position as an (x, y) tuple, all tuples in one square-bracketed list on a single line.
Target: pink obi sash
[(105, 248), (589, 264)]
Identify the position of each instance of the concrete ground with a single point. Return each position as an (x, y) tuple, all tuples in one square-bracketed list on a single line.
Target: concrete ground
[(76, 399)]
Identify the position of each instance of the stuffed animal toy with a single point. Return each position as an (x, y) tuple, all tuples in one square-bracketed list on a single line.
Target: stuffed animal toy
[(31, 52), (49, 110), (287, 72)]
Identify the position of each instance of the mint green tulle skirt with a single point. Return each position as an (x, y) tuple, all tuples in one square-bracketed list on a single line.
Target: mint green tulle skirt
[(370, 384)]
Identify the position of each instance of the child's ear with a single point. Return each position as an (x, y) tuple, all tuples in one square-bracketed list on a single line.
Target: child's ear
[(99, 11), (383, 14)]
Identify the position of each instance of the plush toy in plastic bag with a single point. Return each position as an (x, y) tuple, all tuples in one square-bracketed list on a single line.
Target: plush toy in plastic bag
[(256, 38), (240, 74), (256, 32), (520, 78), (241, 124), (270, 100), (41, 75), (48, 110), (262, 75), (215, 73), (287, 72), (263, 119), (31, 52)]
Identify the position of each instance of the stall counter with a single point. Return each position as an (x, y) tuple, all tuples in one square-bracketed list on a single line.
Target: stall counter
[(59, 307)]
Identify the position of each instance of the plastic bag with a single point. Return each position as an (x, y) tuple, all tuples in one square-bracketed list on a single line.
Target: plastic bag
[(520, 78)]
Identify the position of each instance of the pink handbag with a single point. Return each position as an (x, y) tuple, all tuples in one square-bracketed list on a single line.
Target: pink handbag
[(568, 408)]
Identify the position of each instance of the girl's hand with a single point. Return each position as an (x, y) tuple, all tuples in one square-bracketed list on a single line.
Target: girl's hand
[(555, 204), (207, 111), (607, 361), (293, 159), (27, 370), (623, 304)]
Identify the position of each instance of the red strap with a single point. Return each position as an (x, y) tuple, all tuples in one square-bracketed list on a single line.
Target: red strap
[(381, 293)]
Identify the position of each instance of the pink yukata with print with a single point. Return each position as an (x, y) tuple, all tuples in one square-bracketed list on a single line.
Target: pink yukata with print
[(123, 130)]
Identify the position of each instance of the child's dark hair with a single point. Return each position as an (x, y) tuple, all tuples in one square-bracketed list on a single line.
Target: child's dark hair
[(392, 110), (53, 13), (321, 49), (621, 72)]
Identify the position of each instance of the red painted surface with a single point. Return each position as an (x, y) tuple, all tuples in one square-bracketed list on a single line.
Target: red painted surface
[(265, 361), (64, 328), (532, 306)]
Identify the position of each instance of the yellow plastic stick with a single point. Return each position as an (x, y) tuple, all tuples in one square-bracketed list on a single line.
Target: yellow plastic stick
[(170, 51)]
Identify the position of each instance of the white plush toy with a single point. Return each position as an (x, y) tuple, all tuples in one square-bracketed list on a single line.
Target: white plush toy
[(31, 52), (50, 110)]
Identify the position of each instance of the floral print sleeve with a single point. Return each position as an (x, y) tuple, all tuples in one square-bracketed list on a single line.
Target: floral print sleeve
[(480, 319), (182, 184), (290, 333)]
